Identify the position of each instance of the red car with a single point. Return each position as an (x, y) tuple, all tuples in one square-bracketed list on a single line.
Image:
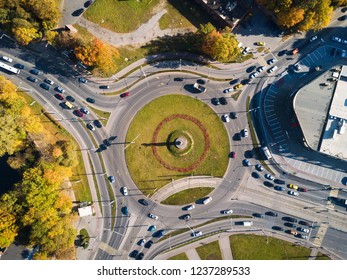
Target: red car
[(125, 94), (78, 113), (233, 154), (59, 96)]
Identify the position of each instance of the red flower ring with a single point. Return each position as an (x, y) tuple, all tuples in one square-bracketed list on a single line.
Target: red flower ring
[(202, 157)]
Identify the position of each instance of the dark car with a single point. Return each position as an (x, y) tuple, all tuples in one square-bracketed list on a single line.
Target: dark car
[(111, 179), (144, 202), (279, 182), (78, 113), (140, 256), (237, 136), (268, 184), (215, 101), (125, 210), (134, 254), (34, 71), (302, 189), (32, 79), (125, 94), (70, 98), (291, 225), (279, 188), (255, 175), (88, 3), (272, 214), (289, 219), (45, 86), (78, 12), (107, 142), (59, 96), (342, 18), (185, 217), (149, 244), (245, 81), (82, 80), (201, 81), (19, 66), (223, 101), (233, 115), (102, 147), (97, 123), (161, 233), (178, 79), (304, 223), (277, 228), (90, 100), (251, 68), (104, 87), (258, 215), (246, 162)]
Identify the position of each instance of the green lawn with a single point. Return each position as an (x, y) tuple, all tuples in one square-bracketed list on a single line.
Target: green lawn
[(255, 247), (121, 16), (181, 256), (187, 196), (210, 251), (147, 171)]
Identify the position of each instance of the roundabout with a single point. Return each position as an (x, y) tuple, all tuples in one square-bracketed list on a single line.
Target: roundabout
[(178, 136)]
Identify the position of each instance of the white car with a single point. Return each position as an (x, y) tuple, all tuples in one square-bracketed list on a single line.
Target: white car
[(272, 61), (269, 177), (152, 216), (272, 69), (297, 67), (302, 229), (253, 75), (125, 191), (226, 118), (48, 81), (60, 89), (336, 39), (6, 58), (261, 69), (344, 42), (228, 211), (313, 38), (142, 242), (227, 90), (245, 132), (293, 193), (196, 233), (85, 111), (91, 126), (190, 207)]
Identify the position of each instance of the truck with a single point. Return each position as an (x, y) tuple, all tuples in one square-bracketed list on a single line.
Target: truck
[(68, 105), (266, 153), (247, 223), (199, 87)]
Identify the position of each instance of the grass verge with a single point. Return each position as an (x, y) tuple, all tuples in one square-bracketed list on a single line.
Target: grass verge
[(210, 251), (187, 196), (181, 256)]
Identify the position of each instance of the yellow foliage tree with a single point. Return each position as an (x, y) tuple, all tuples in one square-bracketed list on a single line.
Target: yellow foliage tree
[(25, 35), (290, 17)]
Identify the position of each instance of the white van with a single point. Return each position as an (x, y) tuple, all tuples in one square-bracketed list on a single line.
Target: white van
[(6, 58), (207, 200), (247, 223)]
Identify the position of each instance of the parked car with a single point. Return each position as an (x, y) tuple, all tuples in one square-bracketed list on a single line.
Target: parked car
[(149, 244), (215, 101), (314, 38), (302, 229), (336, 39), (302, 189), (261, 69), (269, 176), (304, 223), (291, 225), (272, 69), (268, 184), (97, 123), (152, 228), (153, 216), (255, 175), (223, 101), (291, 186), (260, 43), (278, 228), (279, 181), (140, 256), (238, 86), (246, 162), (104, 87), (233, 155), (161, 233), (293, 193), (82, 80), (142, 242), (134, 254), (245, 132), (279, 188), (125, 210), (290, 219), (227, 90), (272, 61), (233, 115), (272, 214), (259, 167)]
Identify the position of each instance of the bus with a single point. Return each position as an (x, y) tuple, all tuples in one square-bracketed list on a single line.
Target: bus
[(266, 152), (9, 68)]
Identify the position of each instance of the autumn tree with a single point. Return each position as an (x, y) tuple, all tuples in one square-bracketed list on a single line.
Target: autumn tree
[(8, 220), (290, 17)]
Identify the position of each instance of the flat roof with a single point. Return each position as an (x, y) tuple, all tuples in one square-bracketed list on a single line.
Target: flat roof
[(339, 104)]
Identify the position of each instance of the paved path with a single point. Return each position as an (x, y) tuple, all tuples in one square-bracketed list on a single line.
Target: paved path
[(224, 245)]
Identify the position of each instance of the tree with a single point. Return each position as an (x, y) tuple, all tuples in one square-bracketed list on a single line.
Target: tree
[(87, 54), (8, 221), (290, 17)]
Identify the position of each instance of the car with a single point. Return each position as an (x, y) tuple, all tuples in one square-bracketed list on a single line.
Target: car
[(226, 212), (268, 184), (336, 39), (45, 86), (293, 193), (246, 162), (227, 90), (48, 81), (78, 113), (344, 42), (245, 50), (178, 79), (272, 214), (291, 225), (273, 69), (82, 80), (161, 233), (190, 207), (260, 69), (144, 202), (278, 228), (259, 215), (88, 3), (237, 136), (215, 101), (297, 67), (84, 111), (111, 179), (290, 219), (125, 94), (134, 254), (302, 229), (104, 87), (245, 132), (245, 81), (238, 86), (304, 223), (232, 154), (225, 118), (90, 100), (70, 98), (223, 101), (125, 191), (279, 181), (293, 232), (185, 217), (78, 12), (291, 186), (260, 43), (125, 210), (107, 142), (140, 256), (90, 126), (196, 233), (233, 115), (255, 175), (19, 66), (152, 228), (295, 51), (59, 96), (97, 123), (342, 18), (279, 188), (269, 177), (302, 236), (153, 216), (271, 61), (149, 244), (253, 75), (59, 89), (6, 58), (32, 79), (259, 167), (302, 189), (103, 147), (313, 38), (142, 242), (35, 71), (201, 81)]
